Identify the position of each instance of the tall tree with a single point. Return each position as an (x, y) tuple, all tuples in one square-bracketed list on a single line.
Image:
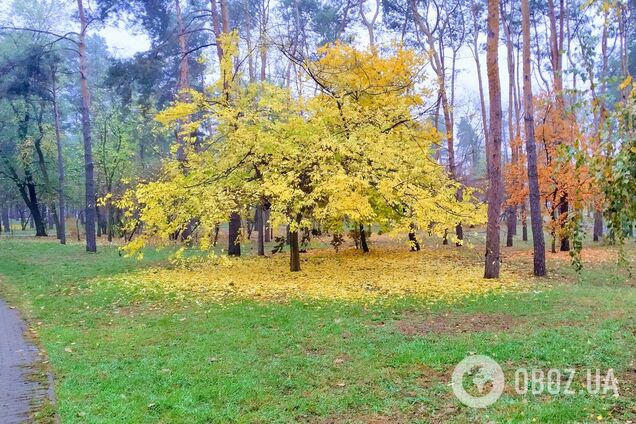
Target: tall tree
[(507, 20), (444, 29), (61, 231), (89, 179), (556, 42), (536, 217), (475, 50), (493, 259), (221, 27)]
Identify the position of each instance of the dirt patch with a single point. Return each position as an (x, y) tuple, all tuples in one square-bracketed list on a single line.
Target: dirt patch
[(457, 323), (626, 402)]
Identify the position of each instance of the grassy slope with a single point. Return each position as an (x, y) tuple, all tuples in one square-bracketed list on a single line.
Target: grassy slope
[(122, 358)]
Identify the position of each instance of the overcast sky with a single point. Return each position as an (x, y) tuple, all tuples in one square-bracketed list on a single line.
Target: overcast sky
[(122, 42)]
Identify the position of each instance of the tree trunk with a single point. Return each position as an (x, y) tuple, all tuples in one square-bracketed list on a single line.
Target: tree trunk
[(61, 229), (22, 219), (234, 232), (268, 229), (54, 219), (598, 225), (36, 214), (91, 243), (556, 56), (370, 24), (563, 215), (294, 251), (49, 219), (260, 228), (511, 213), (6, 222), (216, 235), (363, 239), (99, 221), (492, 265), (482, 103), (415, 245), (437, 63), (183, 81), (110, 223), (511, 222), (524, 222), (536, 218)]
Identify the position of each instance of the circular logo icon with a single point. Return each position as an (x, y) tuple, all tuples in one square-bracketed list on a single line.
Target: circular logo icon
[(483, 376)]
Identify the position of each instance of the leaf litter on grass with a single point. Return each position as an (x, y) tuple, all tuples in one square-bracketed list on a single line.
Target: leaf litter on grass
[(431, 276)]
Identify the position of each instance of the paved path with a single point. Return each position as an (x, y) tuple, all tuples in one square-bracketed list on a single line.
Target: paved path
[(18, 392)]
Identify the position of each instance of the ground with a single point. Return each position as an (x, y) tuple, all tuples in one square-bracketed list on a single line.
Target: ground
[(162, 341)]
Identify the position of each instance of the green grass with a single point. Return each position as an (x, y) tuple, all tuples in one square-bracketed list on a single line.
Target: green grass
[(120, 357)]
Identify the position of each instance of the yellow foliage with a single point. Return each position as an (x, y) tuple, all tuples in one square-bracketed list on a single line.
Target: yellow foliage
[(357, 152), (430, 276)]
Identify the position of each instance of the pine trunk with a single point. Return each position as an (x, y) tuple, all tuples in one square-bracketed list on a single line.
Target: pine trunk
[(524, 222), (61, 230), (536, 218), (492, 263), (91, 243)]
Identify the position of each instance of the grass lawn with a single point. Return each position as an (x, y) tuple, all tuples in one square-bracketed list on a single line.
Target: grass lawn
[(133, 355)]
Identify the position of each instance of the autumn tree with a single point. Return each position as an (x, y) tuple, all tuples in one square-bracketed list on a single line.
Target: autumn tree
[(354, 154)]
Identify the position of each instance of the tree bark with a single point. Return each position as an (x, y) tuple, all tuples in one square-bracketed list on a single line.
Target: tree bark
[(511, 213), (598, 225), (91, 243), (563, 214), (34, 207), (492, 265), (260, 228), (536, 218), (415, 245), (363, 239), (524, 222), (294, 251), (234, 232), (183, 80)]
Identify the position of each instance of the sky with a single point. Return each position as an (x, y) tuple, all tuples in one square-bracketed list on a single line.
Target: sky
[(123, 42)]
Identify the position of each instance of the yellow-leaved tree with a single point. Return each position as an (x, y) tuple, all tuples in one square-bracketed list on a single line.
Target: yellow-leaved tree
[(358, 152)]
